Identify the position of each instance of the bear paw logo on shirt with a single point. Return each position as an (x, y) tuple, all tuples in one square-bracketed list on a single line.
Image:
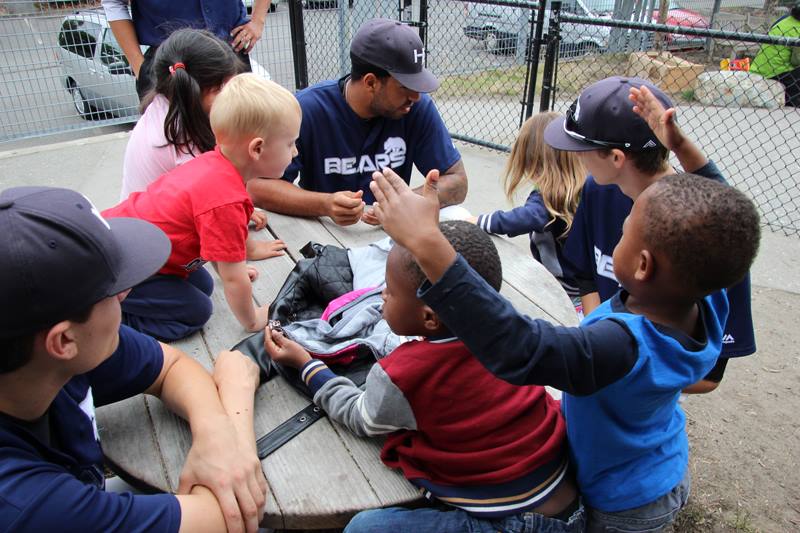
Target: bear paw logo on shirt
[(393, 156)]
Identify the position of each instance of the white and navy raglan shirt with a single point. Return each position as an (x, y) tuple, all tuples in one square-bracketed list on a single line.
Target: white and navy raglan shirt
[(339, 151)]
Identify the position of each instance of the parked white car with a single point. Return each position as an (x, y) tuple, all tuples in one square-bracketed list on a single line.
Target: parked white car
[(95, 70), (504, 28)]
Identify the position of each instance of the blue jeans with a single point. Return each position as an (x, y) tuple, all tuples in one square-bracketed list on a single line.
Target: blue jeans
[(652, 517), (168, 307), (401, 520)]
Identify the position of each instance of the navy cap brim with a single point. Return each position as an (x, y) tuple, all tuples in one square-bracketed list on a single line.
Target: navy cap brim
[(144, 249), (421, 82), (556, 137)]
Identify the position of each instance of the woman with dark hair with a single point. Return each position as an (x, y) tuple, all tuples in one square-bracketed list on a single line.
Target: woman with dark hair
[(189, 69), (782, 63)]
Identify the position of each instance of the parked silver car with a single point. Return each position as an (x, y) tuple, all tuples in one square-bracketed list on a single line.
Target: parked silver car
[(95, 70), (504, 28)]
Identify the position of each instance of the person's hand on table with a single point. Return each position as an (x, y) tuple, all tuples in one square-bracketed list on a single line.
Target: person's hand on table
[(258, 250), (346, 207), (219, 461), (369, 217), (284, 351), (259, 219), (245, 37), (404, 214)]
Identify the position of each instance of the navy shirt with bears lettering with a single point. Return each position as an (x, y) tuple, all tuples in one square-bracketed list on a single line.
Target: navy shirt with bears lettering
[(51, 470), (339, 151), (596, 230)]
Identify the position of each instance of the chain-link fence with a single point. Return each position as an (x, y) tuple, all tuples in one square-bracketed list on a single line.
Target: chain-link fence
[(742, 119), (62, 69)]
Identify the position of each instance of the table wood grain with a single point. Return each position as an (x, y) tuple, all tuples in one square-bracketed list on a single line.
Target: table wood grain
[(325, 475)]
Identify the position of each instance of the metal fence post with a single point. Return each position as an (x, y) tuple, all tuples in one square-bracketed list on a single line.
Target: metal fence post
[(533, 58), (423, 27), (298, 34), (553, 38)]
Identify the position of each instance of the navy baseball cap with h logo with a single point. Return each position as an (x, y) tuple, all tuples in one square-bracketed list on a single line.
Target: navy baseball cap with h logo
[(59, 256), (603, 117), (396, 48)]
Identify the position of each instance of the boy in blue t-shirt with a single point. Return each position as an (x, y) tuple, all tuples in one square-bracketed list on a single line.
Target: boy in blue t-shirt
[(623, 129), (623, 369)]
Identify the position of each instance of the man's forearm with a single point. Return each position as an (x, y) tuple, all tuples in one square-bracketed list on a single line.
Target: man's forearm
[(260, 9), (125, 34), (280, 196), (188, 390), (689, 156), (452, 186)]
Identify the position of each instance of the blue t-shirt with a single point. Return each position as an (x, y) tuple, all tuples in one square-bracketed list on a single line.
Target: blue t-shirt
[(339, 151), (596, 230), (628, 440), (155, 20), (51, 471)]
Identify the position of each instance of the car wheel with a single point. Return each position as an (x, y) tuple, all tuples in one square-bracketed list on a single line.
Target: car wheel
[(85, 111), (501, 43)]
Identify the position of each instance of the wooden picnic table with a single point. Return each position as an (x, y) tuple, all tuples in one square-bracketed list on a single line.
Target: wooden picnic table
[(325, 475)]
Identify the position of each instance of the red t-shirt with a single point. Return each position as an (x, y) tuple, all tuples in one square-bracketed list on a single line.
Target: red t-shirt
[(202, 206)]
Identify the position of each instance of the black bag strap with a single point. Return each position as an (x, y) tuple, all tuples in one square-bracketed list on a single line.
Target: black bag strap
[(294, 426), (288, 430)]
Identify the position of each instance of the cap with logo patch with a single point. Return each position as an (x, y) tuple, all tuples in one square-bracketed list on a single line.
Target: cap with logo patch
[(603, 117), (58, 256), (396, 48)]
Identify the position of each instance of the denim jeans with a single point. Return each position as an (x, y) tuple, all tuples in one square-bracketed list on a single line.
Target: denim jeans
[(438, 520), (652, 517)]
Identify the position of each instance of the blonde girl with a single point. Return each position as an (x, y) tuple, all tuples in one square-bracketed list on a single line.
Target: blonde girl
[(557, 179)]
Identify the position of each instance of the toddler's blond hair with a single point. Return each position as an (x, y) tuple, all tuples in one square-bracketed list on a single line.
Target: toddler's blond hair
[(249, 105)]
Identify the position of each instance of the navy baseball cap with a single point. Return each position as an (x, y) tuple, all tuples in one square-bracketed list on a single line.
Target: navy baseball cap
[(59, 256), (396, 48), (603, 117)]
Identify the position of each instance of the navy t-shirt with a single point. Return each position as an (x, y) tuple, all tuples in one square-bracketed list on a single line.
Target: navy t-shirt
[(596, 230), (339, 151), (51, 471)]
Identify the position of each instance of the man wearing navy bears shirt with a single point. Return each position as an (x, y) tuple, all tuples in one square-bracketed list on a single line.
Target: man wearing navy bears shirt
[(378, 116), (63, 272)]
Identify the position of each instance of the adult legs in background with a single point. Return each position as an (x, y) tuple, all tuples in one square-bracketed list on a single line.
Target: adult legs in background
[(168, 307), (791, 84)]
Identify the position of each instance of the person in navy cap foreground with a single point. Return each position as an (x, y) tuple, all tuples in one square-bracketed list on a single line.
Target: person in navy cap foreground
[(378, 116), (63, 272)]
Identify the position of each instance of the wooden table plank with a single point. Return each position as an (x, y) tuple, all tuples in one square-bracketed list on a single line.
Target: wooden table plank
[(323, 476), (129, 442)]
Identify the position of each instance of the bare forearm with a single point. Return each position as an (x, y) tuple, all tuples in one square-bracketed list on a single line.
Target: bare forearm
[(239, 295), (260, 10), (189, 391), (434, 254), (590, 302), (125, 34), (452, 185), (280, 196), (200, 511), (689, 155), (238, 400)]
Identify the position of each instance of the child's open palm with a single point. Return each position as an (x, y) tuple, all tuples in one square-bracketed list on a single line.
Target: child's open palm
[(660, 120)]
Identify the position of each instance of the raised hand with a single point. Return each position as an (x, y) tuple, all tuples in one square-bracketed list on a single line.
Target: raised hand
[(660, 119), (404, 214)]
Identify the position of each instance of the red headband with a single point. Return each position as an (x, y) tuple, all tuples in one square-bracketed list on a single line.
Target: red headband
[(175, 67)]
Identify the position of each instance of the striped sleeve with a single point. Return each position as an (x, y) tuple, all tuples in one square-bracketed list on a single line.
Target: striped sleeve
[(380, 408)]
